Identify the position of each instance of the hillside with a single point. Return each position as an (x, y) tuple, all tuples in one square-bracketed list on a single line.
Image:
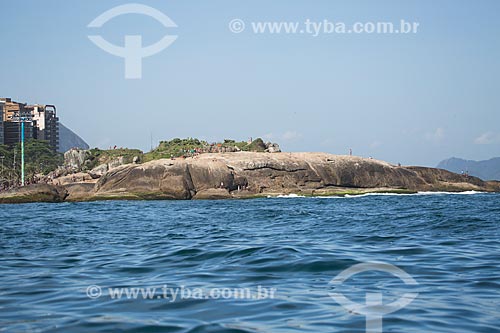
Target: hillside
[(69, 139), (486, 170)]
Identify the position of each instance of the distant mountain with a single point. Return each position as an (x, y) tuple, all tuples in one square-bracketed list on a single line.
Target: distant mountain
[(486, 170), (68, 139)]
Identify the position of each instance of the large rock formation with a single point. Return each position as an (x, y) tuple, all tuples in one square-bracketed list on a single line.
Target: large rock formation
[(248, 174), (245, 174), (94, 162), (75, 158)]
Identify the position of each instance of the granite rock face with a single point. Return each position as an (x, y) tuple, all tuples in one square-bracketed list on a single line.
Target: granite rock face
[(98, 171), (272, 148), (251, 174), (75, 158)]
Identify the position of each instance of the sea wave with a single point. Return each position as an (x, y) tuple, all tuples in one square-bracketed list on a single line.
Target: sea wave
[(463, 192), (53, 254), (292, 195), (403, 194)]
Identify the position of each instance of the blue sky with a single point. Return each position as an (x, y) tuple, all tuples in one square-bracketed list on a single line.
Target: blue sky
[(414, 99)]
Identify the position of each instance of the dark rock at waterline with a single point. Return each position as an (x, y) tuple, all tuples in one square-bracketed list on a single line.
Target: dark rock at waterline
[(80, 191), (34, 193)]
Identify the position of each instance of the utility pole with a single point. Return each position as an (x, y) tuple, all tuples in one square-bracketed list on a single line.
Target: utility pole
[(14, 167), (22, 119), (22, 152), (2, 158)]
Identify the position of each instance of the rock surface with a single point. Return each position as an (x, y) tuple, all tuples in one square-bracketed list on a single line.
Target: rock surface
[(98, 171), (245, 174), (34, 193), (272, 148), (250, 174), (75, 158)]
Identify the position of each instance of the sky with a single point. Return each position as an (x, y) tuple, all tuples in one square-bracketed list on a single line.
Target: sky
[(414, 99)]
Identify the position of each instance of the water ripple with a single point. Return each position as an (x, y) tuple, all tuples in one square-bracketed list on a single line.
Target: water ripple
[(51, 253)]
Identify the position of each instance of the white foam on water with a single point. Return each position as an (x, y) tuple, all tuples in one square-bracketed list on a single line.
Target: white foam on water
[(292, 195), (400, 194), (375, 194), (463, 192)]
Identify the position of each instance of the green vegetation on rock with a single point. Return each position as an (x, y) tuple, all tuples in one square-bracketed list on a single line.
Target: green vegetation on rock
[(175, 148), (190, 146), (257, 145), (96, 156)]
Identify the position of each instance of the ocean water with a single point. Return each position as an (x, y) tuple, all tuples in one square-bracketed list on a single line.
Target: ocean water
[(62, 266)]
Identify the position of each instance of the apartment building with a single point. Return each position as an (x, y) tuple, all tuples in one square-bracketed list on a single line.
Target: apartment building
[(40, 122), (45, 123)]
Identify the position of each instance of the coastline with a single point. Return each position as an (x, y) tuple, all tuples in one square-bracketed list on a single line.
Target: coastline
[(246, 175)]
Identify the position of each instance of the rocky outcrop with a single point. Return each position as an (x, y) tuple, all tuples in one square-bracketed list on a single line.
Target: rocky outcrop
[(213, 193), (98, 171), (80, 191), (74, 178), (34, 193), (95, 163), (250, 174), (75, 158), (272, 148), (153, 180), (245, 174)]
